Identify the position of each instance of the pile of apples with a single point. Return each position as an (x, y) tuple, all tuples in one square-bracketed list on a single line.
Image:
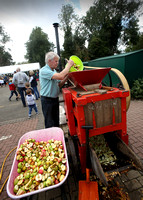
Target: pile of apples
[(40, 164), (103, 151)]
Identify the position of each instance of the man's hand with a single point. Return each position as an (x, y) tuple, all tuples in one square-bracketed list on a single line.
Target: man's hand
[(70, 63)]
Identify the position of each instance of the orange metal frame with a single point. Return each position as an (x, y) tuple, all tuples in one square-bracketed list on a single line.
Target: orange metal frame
[(74, 107)]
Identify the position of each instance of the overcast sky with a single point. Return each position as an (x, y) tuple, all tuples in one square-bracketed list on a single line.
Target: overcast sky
[(19, 17)]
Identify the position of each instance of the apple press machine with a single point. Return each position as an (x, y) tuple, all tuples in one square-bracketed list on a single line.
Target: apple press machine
[(96, 109)]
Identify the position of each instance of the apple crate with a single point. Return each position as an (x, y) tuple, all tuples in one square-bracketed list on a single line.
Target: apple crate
[(39, 135)]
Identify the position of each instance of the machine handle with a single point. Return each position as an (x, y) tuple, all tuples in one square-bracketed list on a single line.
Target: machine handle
[(107, 88), (88, 162), (87, 127), (61, 101)]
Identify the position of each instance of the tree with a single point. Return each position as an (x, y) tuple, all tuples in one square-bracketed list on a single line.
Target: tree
[(108, 21), (97, 48), (106, 26), (138, 46), (79, 44), (5, 56), (74, 39), (131, 32), (68, 44), (37, 45), (67, 21)]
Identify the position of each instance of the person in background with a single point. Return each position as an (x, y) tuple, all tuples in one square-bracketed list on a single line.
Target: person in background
[(27, 86), (37, 75), (20, 78), (12, 88), (30, 99), (1, 81), (34, 84), (50, 83), (17, 88), (5, 79)]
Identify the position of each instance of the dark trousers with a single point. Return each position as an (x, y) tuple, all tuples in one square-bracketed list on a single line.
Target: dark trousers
[(22, 94), (36, 92), (32, 107), (50, 109), (13, 92)]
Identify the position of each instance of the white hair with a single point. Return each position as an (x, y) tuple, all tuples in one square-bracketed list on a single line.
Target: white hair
[(50, 56), (18, 69)]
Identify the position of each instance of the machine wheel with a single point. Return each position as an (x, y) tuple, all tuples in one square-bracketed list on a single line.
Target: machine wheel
[(73, 148), (123, 85)]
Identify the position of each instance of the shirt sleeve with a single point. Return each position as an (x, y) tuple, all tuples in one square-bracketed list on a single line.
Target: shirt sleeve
[(33, 97), (26, 99), (48, 74), (27, 78), (31, 78), (14, 79)]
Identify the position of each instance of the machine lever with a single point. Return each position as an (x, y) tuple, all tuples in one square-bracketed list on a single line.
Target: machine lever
[(88, 162)]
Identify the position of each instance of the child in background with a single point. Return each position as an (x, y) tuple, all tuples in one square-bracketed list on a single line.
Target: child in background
[(12, 88), (27, 85), (30, 99)]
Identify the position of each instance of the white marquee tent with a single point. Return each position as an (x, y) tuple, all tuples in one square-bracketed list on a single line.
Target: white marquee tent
[(24, 67)]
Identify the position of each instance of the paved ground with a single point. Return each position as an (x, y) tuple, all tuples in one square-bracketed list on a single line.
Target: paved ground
[(14, 123)]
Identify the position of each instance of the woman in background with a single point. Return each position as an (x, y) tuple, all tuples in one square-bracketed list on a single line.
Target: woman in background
[(34, 84)]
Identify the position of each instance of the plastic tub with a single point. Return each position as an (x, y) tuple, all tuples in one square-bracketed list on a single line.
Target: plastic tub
[(39, 135), (77, 61)]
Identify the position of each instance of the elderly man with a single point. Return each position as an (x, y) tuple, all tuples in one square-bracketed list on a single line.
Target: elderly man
[(20, 78), (50, 83)]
